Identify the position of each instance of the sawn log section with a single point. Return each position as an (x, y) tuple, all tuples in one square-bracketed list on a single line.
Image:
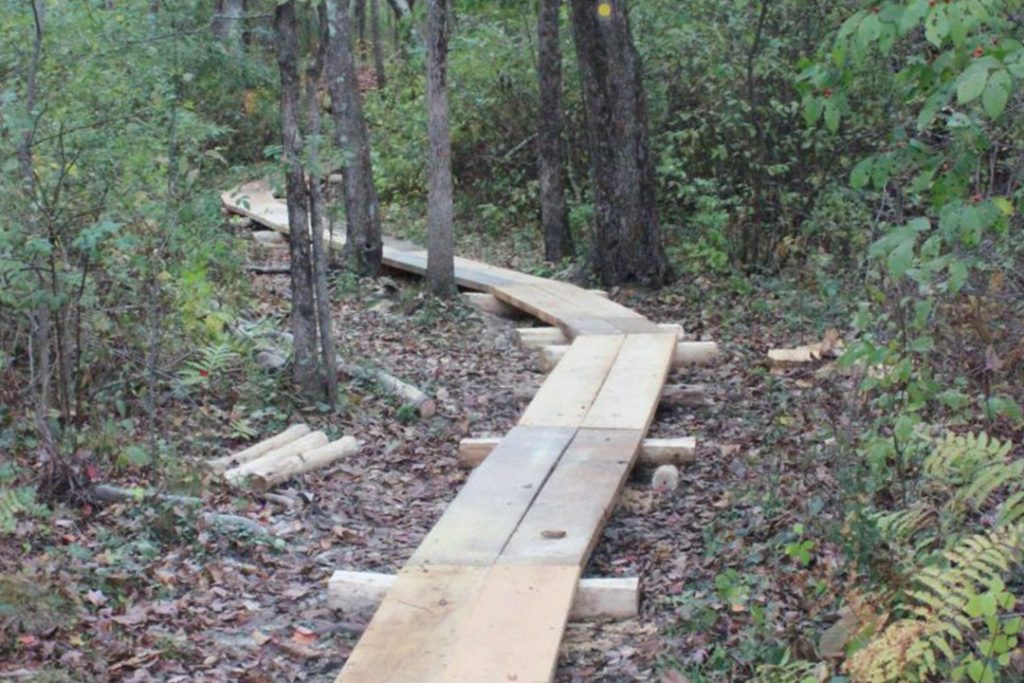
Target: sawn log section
[(486, 596)]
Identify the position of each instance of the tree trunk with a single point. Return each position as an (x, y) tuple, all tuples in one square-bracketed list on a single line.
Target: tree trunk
[(362, 213), (378, 46), (554, 215), (400, 7), (318, 214), (627, 237), (359, 13), (303, 314), (440, 256), (227, 23)]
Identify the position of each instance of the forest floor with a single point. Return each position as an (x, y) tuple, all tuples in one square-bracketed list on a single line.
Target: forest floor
[(147, 593)]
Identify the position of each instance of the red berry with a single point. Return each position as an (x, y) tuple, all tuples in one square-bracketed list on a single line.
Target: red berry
[(978, 51)]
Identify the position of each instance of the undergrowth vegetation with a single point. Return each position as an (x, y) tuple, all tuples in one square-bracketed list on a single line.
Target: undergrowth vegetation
[(856, 164)]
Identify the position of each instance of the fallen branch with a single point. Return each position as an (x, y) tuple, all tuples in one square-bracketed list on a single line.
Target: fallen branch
[(306, 443), (106, 493), (407, 392)]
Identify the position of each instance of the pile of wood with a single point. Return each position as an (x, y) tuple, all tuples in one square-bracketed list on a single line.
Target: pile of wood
[(296, 450)]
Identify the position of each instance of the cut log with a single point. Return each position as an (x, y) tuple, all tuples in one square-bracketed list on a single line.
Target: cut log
[(686, 353), (615, 598), (680, 451), (783, 358), (694, 353), (599, 292), (269, 238), (308, 442), (286, 437), (271, 469), (539, 337), (486, 303), (409, 394)]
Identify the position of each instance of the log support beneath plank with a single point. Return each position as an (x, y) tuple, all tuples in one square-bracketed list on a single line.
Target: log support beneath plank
[(538, 337), (487, 303), (679, 451), (615, 598), (686, 353)]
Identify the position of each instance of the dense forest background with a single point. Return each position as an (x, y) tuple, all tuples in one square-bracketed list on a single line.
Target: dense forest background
[(818, 165)]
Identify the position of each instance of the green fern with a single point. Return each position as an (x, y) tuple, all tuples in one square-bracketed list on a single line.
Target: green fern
[(953, 621), (212, 360), (15, 503)]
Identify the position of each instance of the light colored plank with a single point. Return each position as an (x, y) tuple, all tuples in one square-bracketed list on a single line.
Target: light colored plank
[(485, 513), (537, 301), (410, 638), (567, 394), (537, 337), (515, 626), (566, 519), (356, 593), (632, 390)]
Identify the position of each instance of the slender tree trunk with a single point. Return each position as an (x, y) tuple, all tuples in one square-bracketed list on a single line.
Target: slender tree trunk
[(401, 8), (440, 256), (303, 314), (40, 317), (318, 214), (627, 237), (554, 214), (227, 23), (359, 13), (362, 213), (378, 45)]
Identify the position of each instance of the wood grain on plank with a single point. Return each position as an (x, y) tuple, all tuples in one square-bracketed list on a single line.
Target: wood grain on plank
[(631, 392), (514, 628), (566, 396), (564, 522), (484, 515), (411, 636)]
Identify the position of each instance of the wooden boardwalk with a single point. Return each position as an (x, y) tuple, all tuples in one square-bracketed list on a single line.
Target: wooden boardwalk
[(486, 595)]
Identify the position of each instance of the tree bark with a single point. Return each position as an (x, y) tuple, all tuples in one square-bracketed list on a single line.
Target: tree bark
[(554, 215), (627, 237), (227, 23), (378, 45), (303, 315), (359, 14), (318, 214), (362, 214), (440, 256)]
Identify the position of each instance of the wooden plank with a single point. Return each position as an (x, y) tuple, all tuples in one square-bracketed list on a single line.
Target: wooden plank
[(536, 301), (566, 519), (632, 390), (411, 636), (515, 626), (485, 513), (566, 396)]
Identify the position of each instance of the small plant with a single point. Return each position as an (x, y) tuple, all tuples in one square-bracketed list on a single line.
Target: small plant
[(800, 549)]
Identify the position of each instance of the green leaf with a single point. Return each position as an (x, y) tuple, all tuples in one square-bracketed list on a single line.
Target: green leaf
[(922, 344), (957, 276), (913, 15), (972, 84), (832, 117), (812, 110), (869, 29), (861, 173), (997, 93), (137, 456), (901, 259)]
